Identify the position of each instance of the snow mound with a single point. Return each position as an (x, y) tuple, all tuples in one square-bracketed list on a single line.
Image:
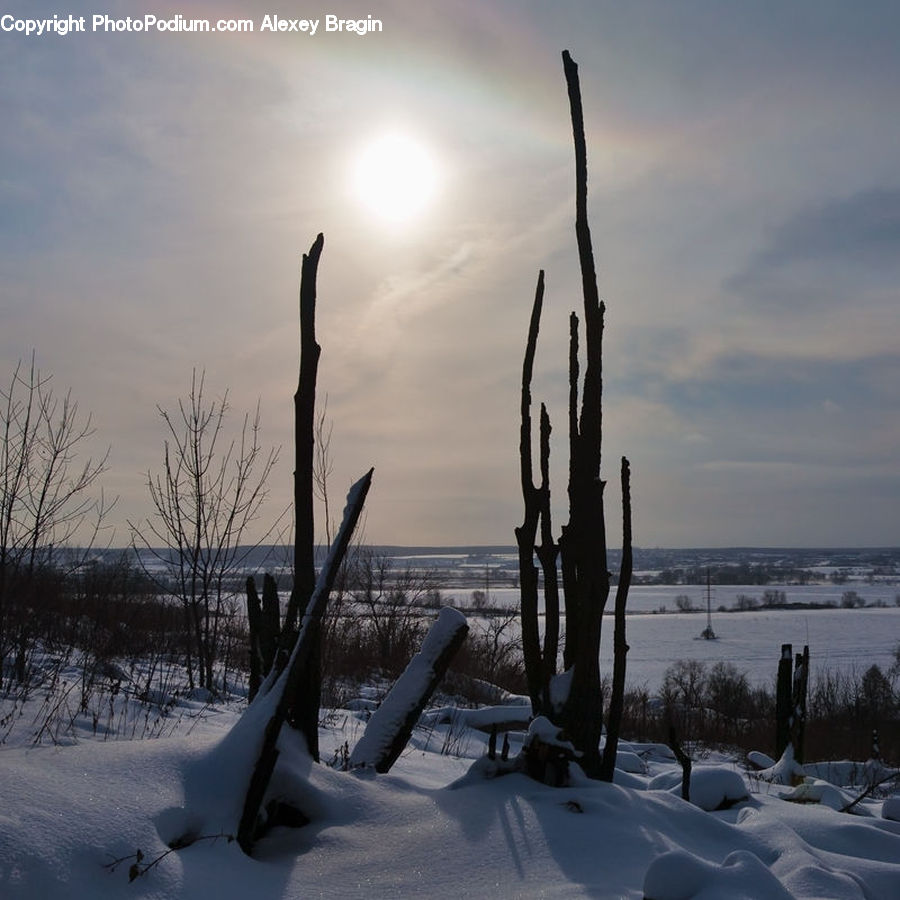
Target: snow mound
[(712, 787), (814, 790), (742, 876), (890, 809)]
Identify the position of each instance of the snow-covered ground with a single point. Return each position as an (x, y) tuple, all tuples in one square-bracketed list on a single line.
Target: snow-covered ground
[(840, 640), (437, 825)]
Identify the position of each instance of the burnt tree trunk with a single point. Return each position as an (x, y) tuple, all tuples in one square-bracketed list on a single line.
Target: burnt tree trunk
[(783, 700), (581, 550), (526, 533), (303, 714), (547, 553), (620, 645), (585, 536), (798, 705)]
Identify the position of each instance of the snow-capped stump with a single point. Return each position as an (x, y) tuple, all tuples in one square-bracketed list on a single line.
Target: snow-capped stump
[(890, 809), (678, 875), (547, 753), (712, 787), (786, 771), (630, 762), (760, 760)]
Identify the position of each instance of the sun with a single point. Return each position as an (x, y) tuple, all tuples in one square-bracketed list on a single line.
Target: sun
[(395, 178)]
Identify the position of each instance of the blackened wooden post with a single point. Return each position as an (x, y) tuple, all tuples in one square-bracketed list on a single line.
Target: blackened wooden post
[(783, 691), (304, 711), (526, 533), (684, 761), (798, 704), (620, 645)]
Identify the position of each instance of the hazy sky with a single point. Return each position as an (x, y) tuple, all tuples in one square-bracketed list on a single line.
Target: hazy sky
[(157, 190)]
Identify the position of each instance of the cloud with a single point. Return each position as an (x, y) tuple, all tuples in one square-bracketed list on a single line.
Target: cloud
[(840, 251)]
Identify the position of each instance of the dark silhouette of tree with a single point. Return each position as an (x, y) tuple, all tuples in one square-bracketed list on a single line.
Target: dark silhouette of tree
[(206, 497), (46, 498), (581, 549)]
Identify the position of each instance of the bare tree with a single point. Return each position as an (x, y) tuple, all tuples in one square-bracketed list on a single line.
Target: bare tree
[(206, 498), (47, 497)]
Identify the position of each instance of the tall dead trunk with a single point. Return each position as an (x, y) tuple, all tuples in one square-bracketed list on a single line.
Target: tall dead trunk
[(585, 536), (303, 714), (582, 549), (620, 645), (526, 533)]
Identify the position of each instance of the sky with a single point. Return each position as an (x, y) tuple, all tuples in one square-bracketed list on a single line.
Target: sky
[(157, 190)]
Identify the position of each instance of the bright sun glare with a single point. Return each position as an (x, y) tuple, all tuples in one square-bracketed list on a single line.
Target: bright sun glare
[(395, 178)]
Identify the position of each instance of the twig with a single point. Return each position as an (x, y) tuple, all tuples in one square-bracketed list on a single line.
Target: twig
[(136, 869)]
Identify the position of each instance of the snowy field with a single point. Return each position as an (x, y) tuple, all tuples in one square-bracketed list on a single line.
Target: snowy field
[(74, 818), (844, 640)]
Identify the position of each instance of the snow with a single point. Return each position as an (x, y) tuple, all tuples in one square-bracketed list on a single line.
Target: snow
[(438, 825), (712, 787)]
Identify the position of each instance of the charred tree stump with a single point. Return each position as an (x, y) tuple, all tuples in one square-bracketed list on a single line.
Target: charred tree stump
[(684, 761), (585, 536), (581, 550), (388, 731), (798, 705), (263, 624), (303, 713), (526, 533), (620, 646), (783, 700)]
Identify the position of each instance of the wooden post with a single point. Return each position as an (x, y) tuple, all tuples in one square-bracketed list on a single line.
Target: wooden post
[(798, 705), (685, 762), (526, 533), (304, 711), (620, 645), (783, 700)]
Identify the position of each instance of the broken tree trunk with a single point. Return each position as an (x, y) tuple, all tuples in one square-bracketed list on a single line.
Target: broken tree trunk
[(304, 711), (798, 705), (391, 725), (264, 627), (583, 546), (620, 646), (526, 533), (783, 700), (287, 684)]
